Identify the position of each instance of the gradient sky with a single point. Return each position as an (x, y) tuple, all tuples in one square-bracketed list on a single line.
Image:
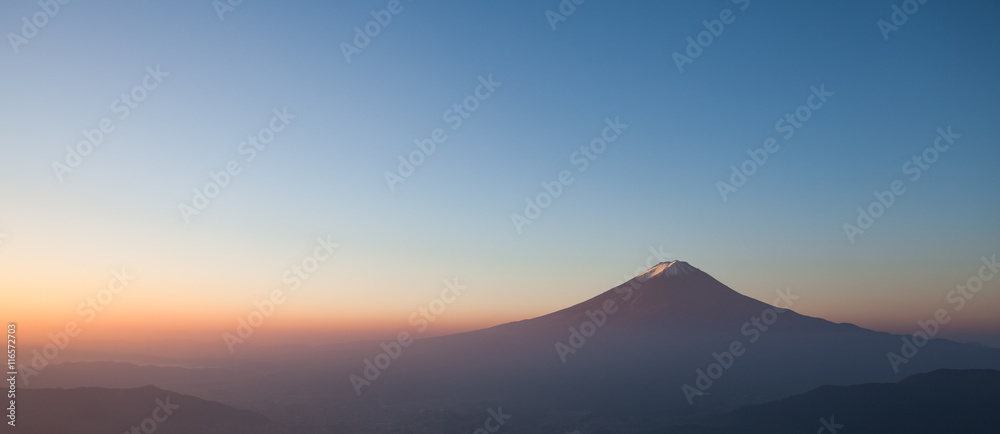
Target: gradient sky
[(655, 186)]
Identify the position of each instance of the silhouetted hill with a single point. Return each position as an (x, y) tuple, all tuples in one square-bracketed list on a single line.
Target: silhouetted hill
[(627, 359), (665, 326), (94, 410), (943, 401)]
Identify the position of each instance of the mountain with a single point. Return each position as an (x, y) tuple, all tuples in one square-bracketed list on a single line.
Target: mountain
[(658, 347), (960, 401), (670, 345), (89, 410)]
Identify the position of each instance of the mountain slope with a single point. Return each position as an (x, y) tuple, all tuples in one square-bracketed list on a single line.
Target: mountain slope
[(657, 349), (663, 328)]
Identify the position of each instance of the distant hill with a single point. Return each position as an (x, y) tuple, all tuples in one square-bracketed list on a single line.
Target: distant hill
[(628, 358), (943, 401), (663, 329), (91, 410), (202, 382)]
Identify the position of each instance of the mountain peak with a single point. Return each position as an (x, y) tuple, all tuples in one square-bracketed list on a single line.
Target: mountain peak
[(672, 268)]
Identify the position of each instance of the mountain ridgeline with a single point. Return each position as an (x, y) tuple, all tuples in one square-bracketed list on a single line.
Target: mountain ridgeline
[(658, 352)]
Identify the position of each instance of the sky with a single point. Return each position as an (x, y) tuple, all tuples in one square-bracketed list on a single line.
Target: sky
[(209, 76)]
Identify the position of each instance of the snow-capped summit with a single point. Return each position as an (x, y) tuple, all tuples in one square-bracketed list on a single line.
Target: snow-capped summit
[(672, 268)]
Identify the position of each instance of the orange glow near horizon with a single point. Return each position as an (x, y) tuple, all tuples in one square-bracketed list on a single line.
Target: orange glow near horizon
[(279, 328), (293, 325), (353, 299)]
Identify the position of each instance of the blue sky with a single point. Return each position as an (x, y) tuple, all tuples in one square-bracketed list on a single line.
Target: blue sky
[(655, 185)]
